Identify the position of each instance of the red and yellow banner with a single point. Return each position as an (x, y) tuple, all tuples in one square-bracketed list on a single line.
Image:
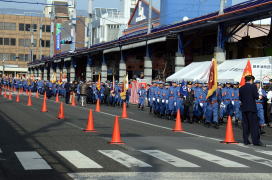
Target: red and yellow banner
[(98, 85), (212, 83), (247, 71)]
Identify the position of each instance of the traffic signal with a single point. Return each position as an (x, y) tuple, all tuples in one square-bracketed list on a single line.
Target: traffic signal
[(65, 42)]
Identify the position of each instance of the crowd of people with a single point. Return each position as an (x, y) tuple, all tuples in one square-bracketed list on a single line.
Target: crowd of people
[(163, 99)]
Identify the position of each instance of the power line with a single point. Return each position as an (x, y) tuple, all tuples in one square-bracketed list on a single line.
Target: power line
[(35, 3)]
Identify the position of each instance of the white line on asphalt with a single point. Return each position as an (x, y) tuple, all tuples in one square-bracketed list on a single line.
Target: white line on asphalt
[(124, 159), (1, 150), (79, 160), (212, 158), (265, 152), (249, 157), (31, 160), (173, 160)]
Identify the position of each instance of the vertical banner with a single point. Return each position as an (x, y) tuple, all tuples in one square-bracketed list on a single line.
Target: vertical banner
[(58, 36)]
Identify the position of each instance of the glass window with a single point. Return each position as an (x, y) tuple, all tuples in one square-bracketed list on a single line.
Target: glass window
[(27, 42), (27, 27), (43, 28), (6, 57), (42, 43), (21, 42), (10, 26), (21, 57), (13, 57), (48, 28), (34, 57), (1, 26), (21, 27), (34, 27), (27, 57), (47, 43), (13, 42), (6, 41), (1, 41)]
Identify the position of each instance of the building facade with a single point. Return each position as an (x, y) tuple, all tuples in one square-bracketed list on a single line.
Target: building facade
[(22, 39)]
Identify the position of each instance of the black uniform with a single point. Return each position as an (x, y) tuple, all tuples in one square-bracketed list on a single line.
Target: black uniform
[(248, 95)]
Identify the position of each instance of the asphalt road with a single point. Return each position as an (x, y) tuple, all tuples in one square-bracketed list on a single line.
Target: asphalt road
[(36, 145)]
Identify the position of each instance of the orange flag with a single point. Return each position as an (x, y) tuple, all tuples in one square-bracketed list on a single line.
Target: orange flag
[(98, 86), (247, 71), (212, 83)]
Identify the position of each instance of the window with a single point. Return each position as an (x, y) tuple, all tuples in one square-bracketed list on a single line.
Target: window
[(1, 26), (48, 28), (13, 42), (47, 43), (21, 57), (34, 26), (13, 57), (34, 57), (6, 41), (25, 42), (10, 26), (1, 41), (21, 27), (27, 27)]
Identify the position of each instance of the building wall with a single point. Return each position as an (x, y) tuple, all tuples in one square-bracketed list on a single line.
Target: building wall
[(15, 39)]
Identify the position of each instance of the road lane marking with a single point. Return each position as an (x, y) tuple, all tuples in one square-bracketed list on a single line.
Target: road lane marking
[(124, 159), (249, 157), (265, 152), (173, 160), (78, 159), (212, 158), (31, 160)]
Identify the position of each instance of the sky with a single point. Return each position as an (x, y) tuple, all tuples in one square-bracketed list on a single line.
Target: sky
[(81, 4)]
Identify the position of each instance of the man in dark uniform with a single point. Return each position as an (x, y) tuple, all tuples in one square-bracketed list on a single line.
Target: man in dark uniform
[(68, 88), (189, 103), (248, 94)]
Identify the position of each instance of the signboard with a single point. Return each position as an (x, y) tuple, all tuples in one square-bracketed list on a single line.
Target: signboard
[(58, 36)]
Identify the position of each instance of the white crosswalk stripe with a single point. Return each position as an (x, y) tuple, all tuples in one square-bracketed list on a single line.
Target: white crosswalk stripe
[(124, 158), (266, 152), (79, 160), (173, 160), (249, 157), (31, 160), (212, 158)]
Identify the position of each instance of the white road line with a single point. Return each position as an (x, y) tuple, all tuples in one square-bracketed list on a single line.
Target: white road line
[(31, 160), (212, 158), (124, 159), (79, 160), (265, 152), (249, 157), (1, 150), (173, 160)]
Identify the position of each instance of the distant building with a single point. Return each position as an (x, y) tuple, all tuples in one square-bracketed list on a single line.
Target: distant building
[(16, 44)]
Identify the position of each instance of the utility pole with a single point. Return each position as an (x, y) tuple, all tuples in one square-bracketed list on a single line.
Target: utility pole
[(72, 17), (40, 44), (52, 43), (32, 42), (149, 17), (222, 6), (90, 28)]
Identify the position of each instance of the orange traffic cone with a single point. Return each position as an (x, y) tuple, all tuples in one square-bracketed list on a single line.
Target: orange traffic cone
[(73, 100), (90, 123), (5, 94), (116, 138), (229, 139), (18, 97), (10, 96), (1, 92), (97, 108), (57, 98), (26, 92), (29, 102), (44, 106), (124, 113), (61, 112), (178, 126), (37, 94), (14, 89)]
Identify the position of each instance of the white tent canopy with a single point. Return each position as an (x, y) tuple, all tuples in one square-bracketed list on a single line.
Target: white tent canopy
[(192, 72), (230, 70)]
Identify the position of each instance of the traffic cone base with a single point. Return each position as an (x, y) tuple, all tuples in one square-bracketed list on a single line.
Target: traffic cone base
[(178, 126), (116, 138), (17, 98), (97, 108), (57, 98), (61, 112), (73, 101), (90, 123), (229, 139), (29, 102)]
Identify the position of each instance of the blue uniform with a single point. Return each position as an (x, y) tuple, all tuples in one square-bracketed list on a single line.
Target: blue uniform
[(260, 109), (142, 95), (236, 104), (164, 98), (212, 108), (226, 107)]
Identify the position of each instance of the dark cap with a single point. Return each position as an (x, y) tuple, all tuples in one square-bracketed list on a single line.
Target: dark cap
[(249, 77), (189, 83)]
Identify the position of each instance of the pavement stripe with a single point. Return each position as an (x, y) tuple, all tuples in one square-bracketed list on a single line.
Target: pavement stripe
[(212, 158), (1, 150), (78, 159), (249, 157), (124, 159), (31, 160), (266, 152), (169, 175), (173, 160)]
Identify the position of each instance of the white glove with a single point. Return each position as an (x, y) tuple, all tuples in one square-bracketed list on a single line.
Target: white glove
[(175, 104), (184, 97), (201, 104), (148, 99), (232, 102), (163, 101), (153, 99), (158, 100), (222, 105), (166, 101)]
